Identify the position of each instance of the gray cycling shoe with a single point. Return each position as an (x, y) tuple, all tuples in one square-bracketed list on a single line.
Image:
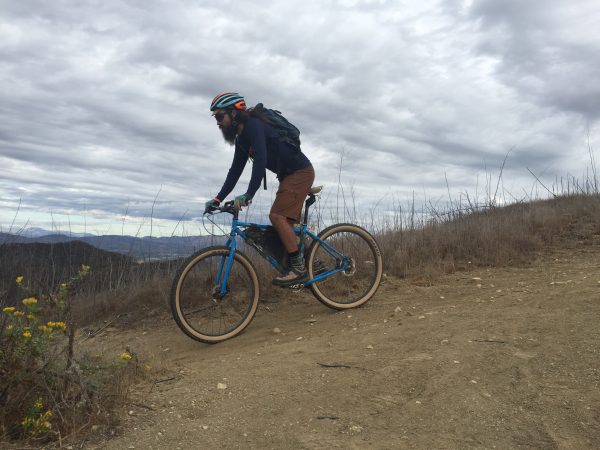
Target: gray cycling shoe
[(291, 278)]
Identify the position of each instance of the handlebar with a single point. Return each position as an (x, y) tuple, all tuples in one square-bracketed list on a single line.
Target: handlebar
[(227, 207)]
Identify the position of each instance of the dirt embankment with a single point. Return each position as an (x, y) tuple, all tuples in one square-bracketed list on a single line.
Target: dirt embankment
[(490, 358)]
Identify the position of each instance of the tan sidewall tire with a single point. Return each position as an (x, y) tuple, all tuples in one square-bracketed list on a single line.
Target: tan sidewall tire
[(379, 263), (176, 288)]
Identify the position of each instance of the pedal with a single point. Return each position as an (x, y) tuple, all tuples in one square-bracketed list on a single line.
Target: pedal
[(296, 287)]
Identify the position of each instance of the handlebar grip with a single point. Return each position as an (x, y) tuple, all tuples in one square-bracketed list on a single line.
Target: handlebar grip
[(226, 207)]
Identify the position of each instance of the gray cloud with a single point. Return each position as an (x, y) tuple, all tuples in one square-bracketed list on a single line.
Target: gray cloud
[(105, 104), (548, 51)]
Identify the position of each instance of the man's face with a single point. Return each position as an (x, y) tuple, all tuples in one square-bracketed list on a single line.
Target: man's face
[(224, 122)]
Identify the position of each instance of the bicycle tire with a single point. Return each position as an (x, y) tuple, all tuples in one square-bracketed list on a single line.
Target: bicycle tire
[(355, 286), (192, 297)]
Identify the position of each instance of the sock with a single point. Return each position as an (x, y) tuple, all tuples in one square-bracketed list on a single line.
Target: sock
[(297, 261)]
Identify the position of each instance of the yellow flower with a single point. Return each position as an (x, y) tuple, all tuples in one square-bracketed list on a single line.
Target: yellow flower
[(8, 309), (125, 356), (9, 328), (57, 325), (30, 301), (18, 313), (43, 328), (30, 316), (19, 280), (84, 268), (38, 403), (27, 334)]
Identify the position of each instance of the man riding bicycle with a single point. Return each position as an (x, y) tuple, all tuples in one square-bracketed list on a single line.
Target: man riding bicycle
[(254, 137)]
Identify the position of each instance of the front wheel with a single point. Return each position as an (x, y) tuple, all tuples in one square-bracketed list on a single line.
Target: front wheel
[(200, 307), (352, 248)]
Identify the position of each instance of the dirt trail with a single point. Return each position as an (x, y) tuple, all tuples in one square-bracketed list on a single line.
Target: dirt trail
[(501, 358)]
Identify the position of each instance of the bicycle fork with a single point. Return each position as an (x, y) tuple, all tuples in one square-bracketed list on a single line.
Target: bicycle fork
[(221, 289)]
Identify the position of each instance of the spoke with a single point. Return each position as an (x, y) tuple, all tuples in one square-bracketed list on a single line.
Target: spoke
[(353, 283), (215, 317)]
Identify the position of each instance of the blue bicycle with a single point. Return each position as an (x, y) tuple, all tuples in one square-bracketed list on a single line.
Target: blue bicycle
[(216, 291)]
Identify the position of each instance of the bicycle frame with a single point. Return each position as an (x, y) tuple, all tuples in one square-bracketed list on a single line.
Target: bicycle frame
[(237, 229)]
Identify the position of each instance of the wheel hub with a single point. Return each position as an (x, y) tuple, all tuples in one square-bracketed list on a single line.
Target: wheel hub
[(216, 293), (351, 269)]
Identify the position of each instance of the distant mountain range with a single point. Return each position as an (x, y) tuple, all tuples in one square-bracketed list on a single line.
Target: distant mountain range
[(35, 232), (140, 248)]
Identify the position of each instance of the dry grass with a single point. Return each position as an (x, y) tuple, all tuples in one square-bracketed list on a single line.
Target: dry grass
[(491, 237), (134, 299)]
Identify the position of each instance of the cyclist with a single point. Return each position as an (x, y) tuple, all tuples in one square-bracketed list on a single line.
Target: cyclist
[(253, 137)]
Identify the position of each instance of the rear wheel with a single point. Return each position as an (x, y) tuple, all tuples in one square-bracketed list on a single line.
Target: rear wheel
[(359, 281), (198, 306)]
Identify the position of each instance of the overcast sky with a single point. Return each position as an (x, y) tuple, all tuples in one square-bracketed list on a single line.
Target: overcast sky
[(104, 106)]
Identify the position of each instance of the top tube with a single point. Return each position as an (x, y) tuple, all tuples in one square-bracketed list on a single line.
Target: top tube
[(228, 208)]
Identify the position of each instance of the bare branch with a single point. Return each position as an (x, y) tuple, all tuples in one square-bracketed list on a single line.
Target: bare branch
[(542, 184)]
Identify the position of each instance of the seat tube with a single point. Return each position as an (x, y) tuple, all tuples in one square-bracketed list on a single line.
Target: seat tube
[(299, 233)]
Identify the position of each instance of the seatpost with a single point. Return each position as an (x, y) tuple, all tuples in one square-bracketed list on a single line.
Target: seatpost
[(309, 201)]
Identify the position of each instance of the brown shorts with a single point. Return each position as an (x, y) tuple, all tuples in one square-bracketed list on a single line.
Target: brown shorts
[(292, 192)]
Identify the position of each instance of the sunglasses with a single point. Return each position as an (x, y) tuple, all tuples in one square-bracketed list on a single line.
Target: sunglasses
[(219, 116)]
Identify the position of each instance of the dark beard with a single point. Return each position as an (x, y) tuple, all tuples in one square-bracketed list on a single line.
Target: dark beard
[(229, 134)]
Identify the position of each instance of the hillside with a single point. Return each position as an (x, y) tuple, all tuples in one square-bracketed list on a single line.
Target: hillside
[(482, 358), (45, 266)]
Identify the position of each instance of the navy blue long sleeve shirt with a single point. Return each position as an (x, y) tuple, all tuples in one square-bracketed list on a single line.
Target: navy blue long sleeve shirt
[(260, 142)]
